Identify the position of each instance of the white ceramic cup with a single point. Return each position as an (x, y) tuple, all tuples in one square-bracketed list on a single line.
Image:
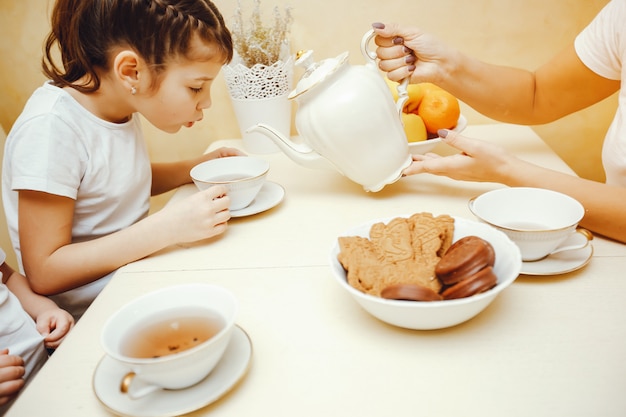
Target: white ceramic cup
[(244, 177), (179, 318), (540, 222)]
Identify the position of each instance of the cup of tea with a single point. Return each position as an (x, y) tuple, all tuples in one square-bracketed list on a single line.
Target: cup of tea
[(171, 338), (243, 176), (540, 222)]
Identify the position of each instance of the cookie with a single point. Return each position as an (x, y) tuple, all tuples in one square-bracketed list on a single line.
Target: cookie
[(481, 281), (403, 251), (410, 292), (464, 258)]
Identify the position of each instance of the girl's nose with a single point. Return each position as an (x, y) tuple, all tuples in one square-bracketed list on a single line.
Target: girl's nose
[(205, 103)]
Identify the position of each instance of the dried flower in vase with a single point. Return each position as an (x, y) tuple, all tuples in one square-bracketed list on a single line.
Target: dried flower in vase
[(258, 43)]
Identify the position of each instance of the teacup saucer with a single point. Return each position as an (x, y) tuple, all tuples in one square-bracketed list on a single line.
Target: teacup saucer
[(165, 403), (559, 263), (269, 196)]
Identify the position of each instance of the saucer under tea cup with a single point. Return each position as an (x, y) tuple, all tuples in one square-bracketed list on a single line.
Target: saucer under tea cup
[(170, 338)]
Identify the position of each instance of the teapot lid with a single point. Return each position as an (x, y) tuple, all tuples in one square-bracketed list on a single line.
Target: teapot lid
[(315, 72)]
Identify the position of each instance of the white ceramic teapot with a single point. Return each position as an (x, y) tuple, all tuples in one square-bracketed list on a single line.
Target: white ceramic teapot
[(347, 119)]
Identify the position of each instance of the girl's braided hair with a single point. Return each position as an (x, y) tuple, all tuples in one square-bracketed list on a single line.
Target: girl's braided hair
[(87, 31)]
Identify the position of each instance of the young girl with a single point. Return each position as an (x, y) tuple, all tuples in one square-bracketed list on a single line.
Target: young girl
[(29, 323), (588, 70), (77, 178)]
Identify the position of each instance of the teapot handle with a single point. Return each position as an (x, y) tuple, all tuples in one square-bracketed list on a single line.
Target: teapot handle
[(403, 95), (371, 56), (365, 41)]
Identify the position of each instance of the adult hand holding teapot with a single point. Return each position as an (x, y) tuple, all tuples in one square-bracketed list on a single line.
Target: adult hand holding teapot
[(347, 120)]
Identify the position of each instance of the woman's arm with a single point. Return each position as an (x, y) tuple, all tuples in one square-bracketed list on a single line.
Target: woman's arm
[(523, 97), (605, 205), (559, 87)]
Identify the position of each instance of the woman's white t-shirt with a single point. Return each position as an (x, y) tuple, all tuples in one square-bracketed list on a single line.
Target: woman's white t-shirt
[(602, 47), (58, 147), (18, 333)]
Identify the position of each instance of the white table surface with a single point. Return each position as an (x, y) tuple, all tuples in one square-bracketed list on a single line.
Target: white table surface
[(320, 204), (547, 346)]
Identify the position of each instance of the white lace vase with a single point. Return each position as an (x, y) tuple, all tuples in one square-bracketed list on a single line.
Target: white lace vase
[(259, 95)]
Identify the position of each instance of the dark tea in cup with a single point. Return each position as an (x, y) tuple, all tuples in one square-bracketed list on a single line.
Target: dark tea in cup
[(172, 332)]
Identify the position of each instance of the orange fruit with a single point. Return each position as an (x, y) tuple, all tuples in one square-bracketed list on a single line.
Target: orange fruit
[(439, 110), (413, 90), (416, 94), (414, 127), (429, 87)]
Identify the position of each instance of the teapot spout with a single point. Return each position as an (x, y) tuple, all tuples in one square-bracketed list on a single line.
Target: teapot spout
[(300, 153)]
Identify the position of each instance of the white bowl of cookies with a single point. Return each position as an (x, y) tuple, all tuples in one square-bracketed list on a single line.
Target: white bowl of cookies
[(422, 271)]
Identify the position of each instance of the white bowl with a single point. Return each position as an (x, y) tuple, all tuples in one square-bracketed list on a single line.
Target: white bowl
[(242, 175), (426, 315), (423, 146)]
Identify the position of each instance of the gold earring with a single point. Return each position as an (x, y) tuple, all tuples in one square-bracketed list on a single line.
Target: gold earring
[(133, 91)]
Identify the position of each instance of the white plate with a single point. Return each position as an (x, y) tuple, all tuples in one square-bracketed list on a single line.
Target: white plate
[(559, 263), (423, 146), (165, 403), (270, 195)]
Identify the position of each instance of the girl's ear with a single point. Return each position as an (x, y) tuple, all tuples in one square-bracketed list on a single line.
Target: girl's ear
[(127, 69)]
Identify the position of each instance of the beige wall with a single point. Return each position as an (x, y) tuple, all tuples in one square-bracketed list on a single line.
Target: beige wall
[(509, 32), (4, 232)]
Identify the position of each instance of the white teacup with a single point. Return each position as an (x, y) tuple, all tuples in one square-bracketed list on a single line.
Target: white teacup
[(541, 222), (244, 177), (171, 338)]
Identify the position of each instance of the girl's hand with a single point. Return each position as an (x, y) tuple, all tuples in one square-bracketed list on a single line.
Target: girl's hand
[(11, 375), (200, 216), (54, 325)]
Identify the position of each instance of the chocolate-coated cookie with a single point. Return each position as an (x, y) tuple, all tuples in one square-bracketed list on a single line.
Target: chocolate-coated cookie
[(463, 259), (481, 281)]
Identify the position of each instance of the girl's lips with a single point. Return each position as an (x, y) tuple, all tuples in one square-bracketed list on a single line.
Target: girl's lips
[(189, 124)]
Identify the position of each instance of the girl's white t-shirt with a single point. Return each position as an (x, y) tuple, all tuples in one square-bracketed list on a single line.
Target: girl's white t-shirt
[(602, 47), (59, 147), (18, 333)]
